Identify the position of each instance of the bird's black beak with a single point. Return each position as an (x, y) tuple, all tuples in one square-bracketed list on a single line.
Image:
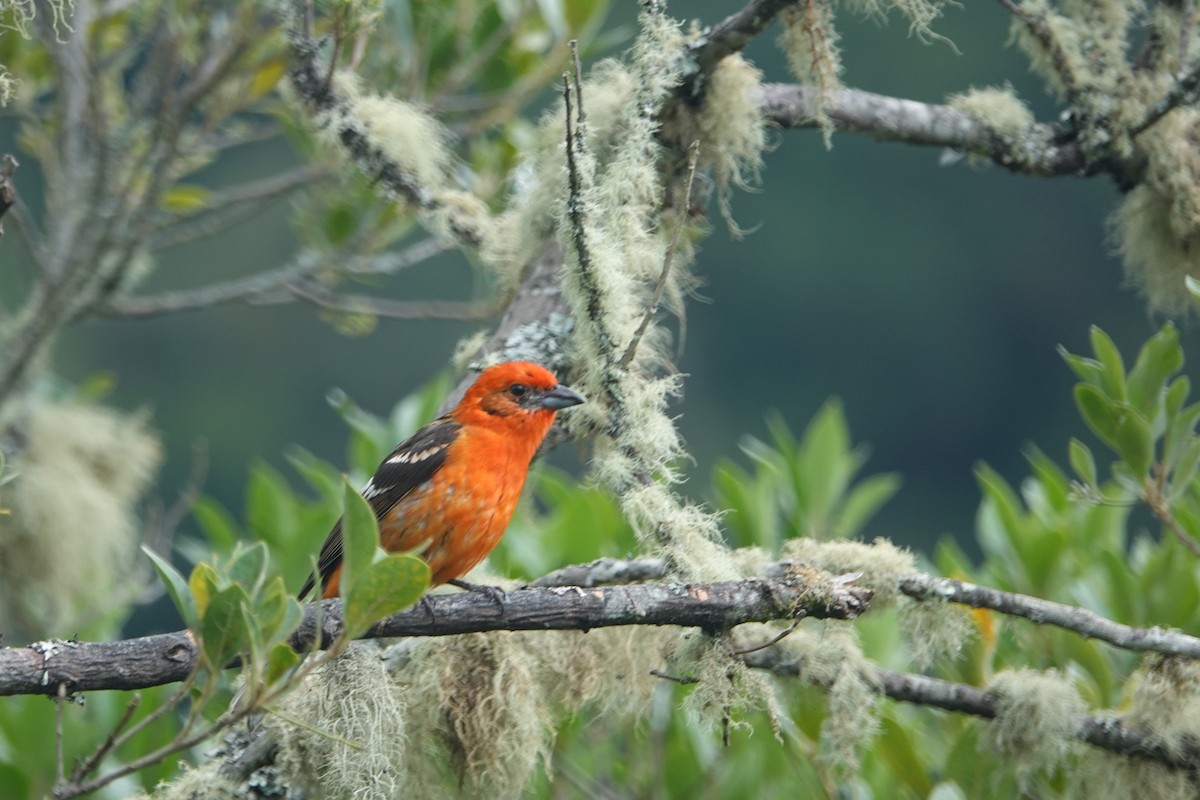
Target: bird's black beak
[(560, 397)]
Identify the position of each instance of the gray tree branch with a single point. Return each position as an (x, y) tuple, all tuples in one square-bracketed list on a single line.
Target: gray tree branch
[(40, 668)]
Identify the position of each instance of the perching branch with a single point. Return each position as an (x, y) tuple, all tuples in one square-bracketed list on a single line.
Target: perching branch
[(1106, 733), (165, 658)]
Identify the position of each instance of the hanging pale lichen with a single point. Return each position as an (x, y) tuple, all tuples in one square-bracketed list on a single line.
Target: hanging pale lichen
[(810, 42), (352, 735), (61, 561), (1037, 717)]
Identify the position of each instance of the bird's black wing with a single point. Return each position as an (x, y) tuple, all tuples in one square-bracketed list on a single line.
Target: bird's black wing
[(412, 463)]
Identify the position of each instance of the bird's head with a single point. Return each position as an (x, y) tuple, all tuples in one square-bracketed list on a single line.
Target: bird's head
[(513, 392)]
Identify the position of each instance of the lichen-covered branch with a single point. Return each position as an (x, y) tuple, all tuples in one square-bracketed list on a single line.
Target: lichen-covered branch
[(926, 588), (727, 37), (1044, 150), (1105, 732), (147, 661), (1047, 612)]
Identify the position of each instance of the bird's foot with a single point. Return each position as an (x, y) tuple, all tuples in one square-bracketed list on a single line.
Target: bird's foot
[(428, 606), (496, 593)]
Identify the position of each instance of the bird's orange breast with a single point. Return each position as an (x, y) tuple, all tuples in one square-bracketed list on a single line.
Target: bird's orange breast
[(457, 517)]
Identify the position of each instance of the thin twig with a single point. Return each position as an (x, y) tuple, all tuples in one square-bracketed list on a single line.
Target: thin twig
[(1161, 508), (59, 701), (581, 115), (84, 767), (320, 296), (652, 309), (8, 192), (727, 37), (774, 640), (1182, 93), (686, 680)]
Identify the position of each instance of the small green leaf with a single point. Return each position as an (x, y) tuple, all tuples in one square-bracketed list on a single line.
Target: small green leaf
[(1134, 440), (360, 537), (1099, 412), (203, 584), (864, 501), (223, 630), (185, 197), (1110, 358), (218, 524), (248, 566), (1192, 285), (1083, 462), (1185, 468), (280, 660), (177, 587), (1089, 370), (386, 587), (278, 613), (1160, 357)]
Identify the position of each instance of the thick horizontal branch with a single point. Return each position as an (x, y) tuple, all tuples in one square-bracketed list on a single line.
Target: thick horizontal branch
[(1043, 150), (165, 658), (1105, 732)]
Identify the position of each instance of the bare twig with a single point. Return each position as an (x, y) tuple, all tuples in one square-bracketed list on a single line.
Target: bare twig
[(1160, 506), (87, 765), (319, 295), (272, 284), (59, 701), (652, 309)]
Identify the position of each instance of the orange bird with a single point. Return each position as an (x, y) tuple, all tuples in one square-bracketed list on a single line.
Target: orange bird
[(447, 492)]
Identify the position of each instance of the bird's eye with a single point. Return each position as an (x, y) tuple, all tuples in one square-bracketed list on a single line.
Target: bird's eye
[(517, 390)]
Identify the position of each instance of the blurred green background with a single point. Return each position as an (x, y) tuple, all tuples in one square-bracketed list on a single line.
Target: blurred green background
[(929, 298)]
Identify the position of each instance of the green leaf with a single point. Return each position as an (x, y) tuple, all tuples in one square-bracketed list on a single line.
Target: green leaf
[(177, 587), (1160, 357), (248, 566), (864, 501), (894, 745), (1185, 468), (382, 589), (1083, 462), (183, 198), (278, 613), (1119, 425), (1089, 370), (1192, 285), (1134, 441), (280, 660), (223, 630), (1113, 378), (360, 536), (217, 524), (203, 585)]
